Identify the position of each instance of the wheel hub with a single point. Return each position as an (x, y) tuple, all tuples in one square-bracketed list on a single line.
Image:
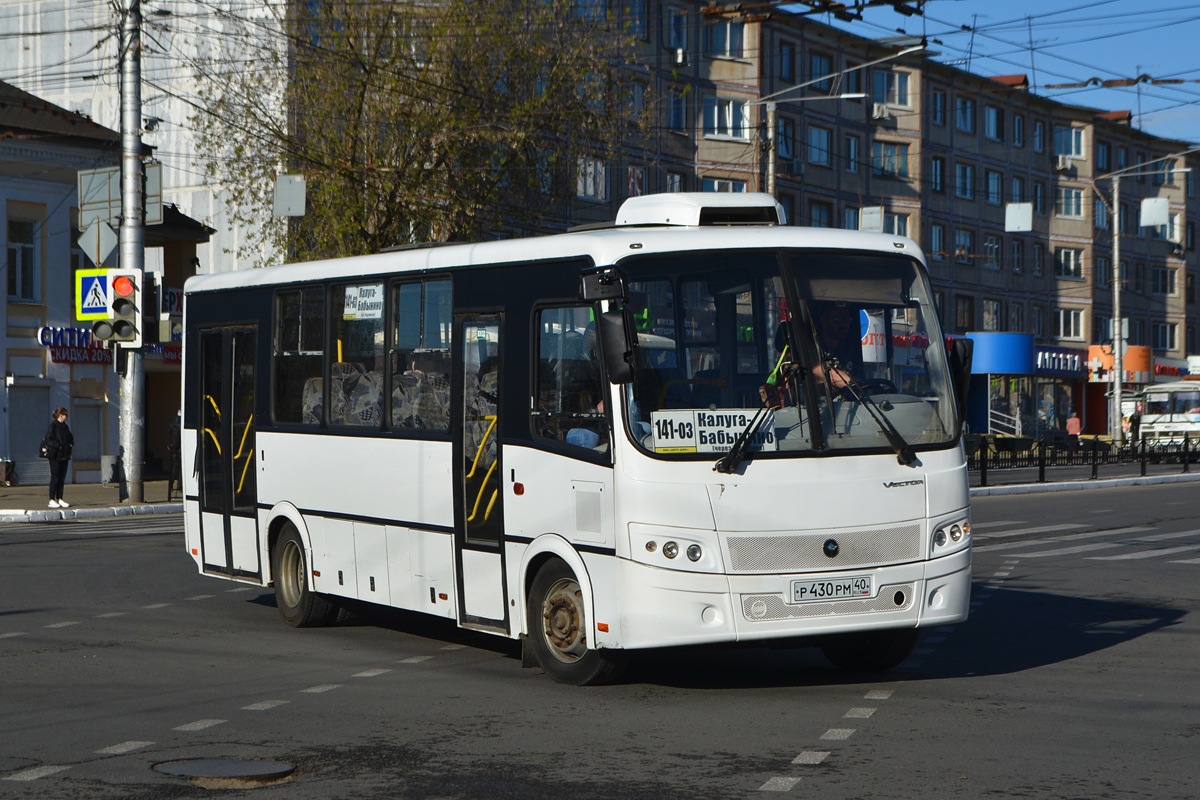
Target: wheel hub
[(562, 613)]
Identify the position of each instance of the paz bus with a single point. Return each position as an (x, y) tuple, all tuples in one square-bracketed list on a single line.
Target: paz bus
[(1169, 412), (695, 425)]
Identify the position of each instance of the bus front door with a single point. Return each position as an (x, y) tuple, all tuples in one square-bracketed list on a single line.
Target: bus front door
[(228, 485), (478, 480)]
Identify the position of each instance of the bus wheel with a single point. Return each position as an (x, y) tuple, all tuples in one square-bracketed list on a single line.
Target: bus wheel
[(871, 651), (558, 630), (298, 604)]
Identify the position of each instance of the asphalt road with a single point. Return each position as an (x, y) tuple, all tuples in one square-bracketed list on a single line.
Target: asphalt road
[(1075, 677)]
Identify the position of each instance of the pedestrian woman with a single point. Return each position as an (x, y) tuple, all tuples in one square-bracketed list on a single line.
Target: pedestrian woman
[(60, 441)]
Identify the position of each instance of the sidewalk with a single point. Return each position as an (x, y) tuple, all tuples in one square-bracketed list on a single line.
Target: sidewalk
[(88, 501)]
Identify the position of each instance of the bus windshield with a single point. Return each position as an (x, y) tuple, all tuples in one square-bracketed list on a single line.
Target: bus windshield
[(828, 351)]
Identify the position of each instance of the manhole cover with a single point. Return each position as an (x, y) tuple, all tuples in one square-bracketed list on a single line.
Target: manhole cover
[(227, 769)]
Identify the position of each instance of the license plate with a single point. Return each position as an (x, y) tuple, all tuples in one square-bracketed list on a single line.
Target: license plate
[(853, 587)]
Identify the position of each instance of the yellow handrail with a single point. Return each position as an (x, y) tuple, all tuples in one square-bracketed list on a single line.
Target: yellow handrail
[(479, 497), (245, 469), (492, 502), (482, 443), (210, 399), (213, 436), (245, 433)]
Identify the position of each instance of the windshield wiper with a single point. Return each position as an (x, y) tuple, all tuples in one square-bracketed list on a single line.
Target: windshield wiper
[(729, 462), (904, 452)]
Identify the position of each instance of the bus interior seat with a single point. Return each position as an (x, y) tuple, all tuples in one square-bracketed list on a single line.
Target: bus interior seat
[(312, 404)]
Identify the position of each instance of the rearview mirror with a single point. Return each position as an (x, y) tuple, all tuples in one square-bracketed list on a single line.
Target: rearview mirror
[(959, 353), (617, 345), (602, 283)]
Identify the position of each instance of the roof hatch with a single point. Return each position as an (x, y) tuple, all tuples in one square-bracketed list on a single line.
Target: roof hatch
[(702, 208)]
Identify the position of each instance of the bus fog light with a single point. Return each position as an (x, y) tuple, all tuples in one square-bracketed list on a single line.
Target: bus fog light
[(651, 547), (966, 529), (670, 549), (939, 538), (694, 553), (956, 533)]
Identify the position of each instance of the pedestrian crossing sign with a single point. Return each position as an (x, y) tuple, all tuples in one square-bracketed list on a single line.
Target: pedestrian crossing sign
[(91, 294)]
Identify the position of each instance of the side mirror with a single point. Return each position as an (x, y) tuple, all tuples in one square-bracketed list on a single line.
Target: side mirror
[(960, 353), (602, 283), (618, 347)]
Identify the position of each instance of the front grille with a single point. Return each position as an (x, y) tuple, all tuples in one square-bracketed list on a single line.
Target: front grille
[(770, 607), (804, 552)]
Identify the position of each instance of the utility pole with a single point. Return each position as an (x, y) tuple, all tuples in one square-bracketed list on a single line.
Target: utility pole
[(1118, 327), (132, 243)]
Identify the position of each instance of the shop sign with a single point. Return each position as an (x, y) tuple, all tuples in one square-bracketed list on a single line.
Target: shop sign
[(73, 346), (1060, 361), (1168, 370)]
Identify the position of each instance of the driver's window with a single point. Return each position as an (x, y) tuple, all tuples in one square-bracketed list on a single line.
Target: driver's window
[(569, 397)]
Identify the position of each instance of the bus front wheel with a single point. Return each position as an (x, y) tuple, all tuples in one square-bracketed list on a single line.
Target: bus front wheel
[(558, 629), (298, 604), (870, 651)]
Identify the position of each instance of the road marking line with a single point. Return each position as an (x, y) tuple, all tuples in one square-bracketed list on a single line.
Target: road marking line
[(123, 747), (414, 660), (199, 725), (1102, 511), (1069, 551), (240, 589), (111, 614), (63, 624), (1162, 536), (838, 734), (997, 524), (811, 757), (455, 647), (1069, 538), (156, 605), (369, 673), (879, 694), (265, 705), (200, 597), (324, 687), (1002, 574), (1040, 529), (1169, 551), (858, 713), (1084, 548), (12, 634), (779, 785), (34, 773), (1187, 561)]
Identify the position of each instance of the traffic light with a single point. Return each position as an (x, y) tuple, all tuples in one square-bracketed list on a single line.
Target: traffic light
[(124, 324)]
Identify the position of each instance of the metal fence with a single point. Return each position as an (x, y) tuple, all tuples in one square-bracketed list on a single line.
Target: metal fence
[(996, 453)]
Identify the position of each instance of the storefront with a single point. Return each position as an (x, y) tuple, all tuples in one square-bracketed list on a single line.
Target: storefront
[(1022, 389), (1138, 372)]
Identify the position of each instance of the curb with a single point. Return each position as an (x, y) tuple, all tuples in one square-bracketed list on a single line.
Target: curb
[(89, 513), (1071, 486)]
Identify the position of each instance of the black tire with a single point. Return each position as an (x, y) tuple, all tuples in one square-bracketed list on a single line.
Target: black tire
[(871, 651), (298, 604), (558, 628)]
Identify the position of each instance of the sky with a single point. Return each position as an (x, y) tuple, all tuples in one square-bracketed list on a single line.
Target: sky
[(1069, 41)]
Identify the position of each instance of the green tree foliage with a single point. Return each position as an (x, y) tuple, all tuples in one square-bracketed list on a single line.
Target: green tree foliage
[(412, 121)]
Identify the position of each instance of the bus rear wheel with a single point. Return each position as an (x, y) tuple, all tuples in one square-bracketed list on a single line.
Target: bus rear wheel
[(558, 627), (298, 604), (870, 651)]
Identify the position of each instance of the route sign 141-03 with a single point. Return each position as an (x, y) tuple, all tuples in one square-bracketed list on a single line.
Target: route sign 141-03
[(709, 430)]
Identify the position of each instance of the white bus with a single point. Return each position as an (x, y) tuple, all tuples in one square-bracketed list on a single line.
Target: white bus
[(1170, 410), (697, 425)]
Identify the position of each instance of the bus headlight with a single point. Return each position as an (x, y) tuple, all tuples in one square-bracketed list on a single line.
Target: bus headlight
[(670, 549), (665, 546), (949, 535), (694, 552)]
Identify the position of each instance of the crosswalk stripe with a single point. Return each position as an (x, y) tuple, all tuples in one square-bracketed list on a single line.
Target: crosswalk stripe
[(1069, 538), (1170, 551), (1024, 531), (1188, 561)]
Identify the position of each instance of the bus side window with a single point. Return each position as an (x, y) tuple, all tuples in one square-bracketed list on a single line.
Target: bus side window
[(569, 393), (299, 356), (421, 321), (356, 342)]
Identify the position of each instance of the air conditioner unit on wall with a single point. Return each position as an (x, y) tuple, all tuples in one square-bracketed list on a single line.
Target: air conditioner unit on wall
[(880, 111), (679, 57), (1064, 162)]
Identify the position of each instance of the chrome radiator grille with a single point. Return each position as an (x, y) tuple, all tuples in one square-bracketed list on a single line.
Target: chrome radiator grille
[(769, 607), (804, 552)]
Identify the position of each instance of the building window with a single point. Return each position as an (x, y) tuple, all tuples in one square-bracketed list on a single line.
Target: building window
[(22, 265), (1103, 156), (1039, 198), (789, 208), (993, 313), (850, 219), (1123, 219), (1099, 214), (1122, 158), (1068, 142), (993, 250), (1018, 131), (1189, 234), (1068, 202), (785, 138), (675, 182), (1018, 255), (820, 214), (1018, 191), (1039, 136), (1103, 271), (1139, 278), (723, 39), (964, 246), (851, 152), (1163, 281), (891, 88), (1191, 340), (1068, 263), (636, 182), (591, 180), (938, 108), (787, 62), (1189, 284), (852, 80), (937, 242), (993, 123), (1164, 335), (722, 185), (1039, 322), (818, 67), (1137, 334), (677, 37), (888, 158), (1139, 160), (676, 111), (820, 146), (937, 174), (964, 181), (1068, 323), (725, 118), (1016, 318), (995, 187), (964, 313), (1101, 329), (895, 224), (964, 114), (1189, 184), (1039, 259)]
